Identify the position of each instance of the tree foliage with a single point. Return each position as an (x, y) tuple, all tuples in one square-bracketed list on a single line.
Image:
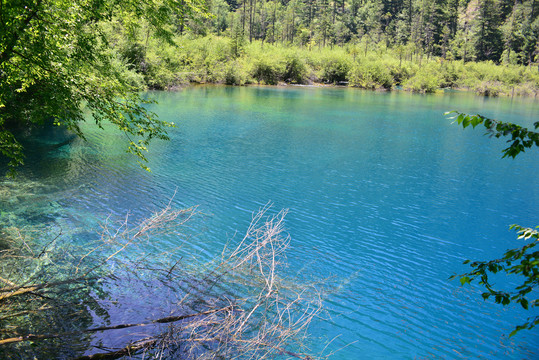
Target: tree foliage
[(56, 65), (523, 261), (519, 138)]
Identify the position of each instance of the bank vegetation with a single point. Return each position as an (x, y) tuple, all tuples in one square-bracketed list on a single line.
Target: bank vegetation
[(221, 60)]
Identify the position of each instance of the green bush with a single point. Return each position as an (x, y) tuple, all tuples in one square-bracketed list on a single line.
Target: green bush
[(335, 68), (211, 59), (400, 73), (161, 67), (266, 70), (134, 79), (426, 80), (526, 89), (489, 88), (295, 70), (371, 75), (451, 72), (234, 74)]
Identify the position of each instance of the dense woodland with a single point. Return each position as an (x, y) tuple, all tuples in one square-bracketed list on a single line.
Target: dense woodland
[(488, 46), (472, 30)]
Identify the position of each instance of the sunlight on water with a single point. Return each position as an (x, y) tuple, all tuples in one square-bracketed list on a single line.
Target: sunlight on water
[(386, 199)]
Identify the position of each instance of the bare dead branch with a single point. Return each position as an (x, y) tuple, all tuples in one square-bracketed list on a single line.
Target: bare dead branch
[(240, 306), (129, 350)]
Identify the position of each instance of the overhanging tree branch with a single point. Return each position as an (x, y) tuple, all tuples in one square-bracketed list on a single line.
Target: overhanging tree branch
[(523, 261), (520, 137), (5, 55)]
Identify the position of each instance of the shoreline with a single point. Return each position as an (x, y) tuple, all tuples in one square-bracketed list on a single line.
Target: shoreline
[(440, 91)]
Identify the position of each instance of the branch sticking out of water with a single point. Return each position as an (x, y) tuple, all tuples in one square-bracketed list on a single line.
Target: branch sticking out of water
[(237, 306)]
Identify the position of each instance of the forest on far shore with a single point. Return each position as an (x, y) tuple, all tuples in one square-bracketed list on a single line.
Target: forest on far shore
[(488, 46), (470, 30)]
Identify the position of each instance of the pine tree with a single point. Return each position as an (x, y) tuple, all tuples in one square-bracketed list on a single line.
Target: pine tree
[(487, 37)]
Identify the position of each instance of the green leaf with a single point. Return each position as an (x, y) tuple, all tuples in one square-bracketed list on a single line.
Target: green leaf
[(476, 120), (520, 261)]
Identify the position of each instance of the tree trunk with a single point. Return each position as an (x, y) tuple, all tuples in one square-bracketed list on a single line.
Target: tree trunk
[(273, 21), (250, 20), (182, 18), (293, 24), (243, 17)]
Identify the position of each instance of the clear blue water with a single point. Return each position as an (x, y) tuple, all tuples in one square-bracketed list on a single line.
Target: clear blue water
[(386, 199)]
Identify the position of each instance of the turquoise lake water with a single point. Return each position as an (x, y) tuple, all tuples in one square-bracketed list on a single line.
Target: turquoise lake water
[(386, 198)]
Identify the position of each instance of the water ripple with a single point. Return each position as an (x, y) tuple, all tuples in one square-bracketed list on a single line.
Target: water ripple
[(385, 205)]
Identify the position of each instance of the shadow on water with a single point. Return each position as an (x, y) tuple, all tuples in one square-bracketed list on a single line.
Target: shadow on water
[(40, 144), (38, 246)]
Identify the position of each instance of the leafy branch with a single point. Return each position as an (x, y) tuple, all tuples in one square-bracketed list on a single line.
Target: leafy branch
[(520, 261), (523, 261), (520, 137), (57, 67)]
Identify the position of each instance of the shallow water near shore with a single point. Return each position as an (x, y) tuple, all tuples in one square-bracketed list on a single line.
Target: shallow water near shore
[(386, 198)]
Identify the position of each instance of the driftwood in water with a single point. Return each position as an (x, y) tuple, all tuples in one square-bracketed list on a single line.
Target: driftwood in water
[(15, 290), (129, 350), (138, 346), (239, 304), (165, 320)]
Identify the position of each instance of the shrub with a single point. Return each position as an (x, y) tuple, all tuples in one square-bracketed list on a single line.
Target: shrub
[(451, 72), (400, 73), (489, 88), (130, 76), (335, 68), (162, 70), (266, 70), (295, 70), (234, 74), (426, 80), (526, 89), (371, 75)]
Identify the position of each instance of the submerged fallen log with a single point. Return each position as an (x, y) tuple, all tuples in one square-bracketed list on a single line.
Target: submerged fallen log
[(238, 305), (130, 350), (168, 319), (15, 290), (138, 346)]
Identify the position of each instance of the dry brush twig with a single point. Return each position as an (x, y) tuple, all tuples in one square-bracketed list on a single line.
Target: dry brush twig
[(241, 307)]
